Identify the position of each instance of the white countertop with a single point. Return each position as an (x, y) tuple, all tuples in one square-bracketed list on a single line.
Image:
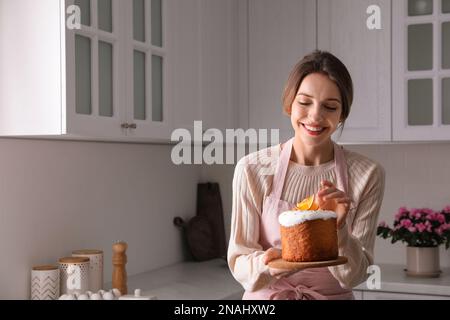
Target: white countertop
[(212, 280), (209, 280), (394, 279)]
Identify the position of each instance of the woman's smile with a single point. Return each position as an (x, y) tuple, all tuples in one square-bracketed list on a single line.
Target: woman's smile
[(313, 130)]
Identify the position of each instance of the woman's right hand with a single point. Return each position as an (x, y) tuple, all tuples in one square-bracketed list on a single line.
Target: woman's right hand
[(273, 254)]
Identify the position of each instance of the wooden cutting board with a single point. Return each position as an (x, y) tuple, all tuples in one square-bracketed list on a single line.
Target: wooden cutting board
[(282, 264), (209, 206)]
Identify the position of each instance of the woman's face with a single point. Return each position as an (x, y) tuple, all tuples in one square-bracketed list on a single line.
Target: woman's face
[(316, 110)]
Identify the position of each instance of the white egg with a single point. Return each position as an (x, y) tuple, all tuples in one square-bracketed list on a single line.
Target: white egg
[(89, 293), (116, 292), (96, 296), (83, 297), (108, 296), (63, 297), (70, 297)]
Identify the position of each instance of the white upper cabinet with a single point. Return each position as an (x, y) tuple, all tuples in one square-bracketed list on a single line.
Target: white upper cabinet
[(104, 78), (217, 60), (131, 70), (31, 69), (282, 32), (185, 61), (116, 70), (92, 54), (421, 73), (279, 33), (358, 32)]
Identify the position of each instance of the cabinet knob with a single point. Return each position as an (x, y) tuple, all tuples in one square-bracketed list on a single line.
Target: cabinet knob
[(133, 126), (125, 126)]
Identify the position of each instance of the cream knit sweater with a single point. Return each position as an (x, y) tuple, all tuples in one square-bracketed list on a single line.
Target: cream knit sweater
[(252, 182)]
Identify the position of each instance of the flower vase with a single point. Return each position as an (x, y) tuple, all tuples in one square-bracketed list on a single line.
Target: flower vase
[(422, 262)]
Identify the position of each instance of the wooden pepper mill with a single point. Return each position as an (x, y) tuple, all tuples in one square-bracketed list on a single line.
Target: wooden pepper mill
[(119, 259)]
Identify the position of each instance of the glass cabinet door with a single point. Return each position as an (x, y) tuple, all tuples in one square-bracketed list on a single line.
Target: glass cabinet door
[(116, 70), (148, 62), (422, 77), (96, 61)]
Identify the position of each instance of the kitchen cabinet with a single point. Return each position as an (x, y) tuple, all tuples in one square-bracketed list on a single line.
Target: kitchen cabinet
[(358, 32), (277, 34), (133, 70), (217, 61), (421, 73), (203, 62), (280, 33), (106, 77)]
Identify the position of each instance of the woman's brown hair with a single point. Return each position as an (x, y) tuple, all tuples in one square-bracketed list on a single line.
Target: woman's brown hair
[(325, 63)]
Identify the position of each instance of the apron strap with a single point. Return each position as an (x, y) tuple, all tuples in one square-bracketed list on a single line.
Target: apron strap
[(280, 172)]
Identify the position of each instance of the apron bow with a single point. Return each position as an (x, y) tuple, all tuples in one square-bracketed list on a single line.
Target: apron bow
[(285, 291)]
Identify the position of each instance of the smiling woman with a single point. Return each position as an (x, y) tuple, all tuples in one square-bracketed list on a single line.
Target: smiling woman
[(318, 85), (317, 98)]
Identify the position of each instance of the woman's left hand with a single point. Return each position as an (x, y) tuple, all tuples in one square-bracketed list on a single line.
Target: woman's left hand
[(331, 198)]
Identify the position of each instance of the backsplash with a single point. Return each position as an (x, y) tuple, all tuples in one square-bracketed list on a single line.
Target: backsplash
[(59, 196), (417, 175)]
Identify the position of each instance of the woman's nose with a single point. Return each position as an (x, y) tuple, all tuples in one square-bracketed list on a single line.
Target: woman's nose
[(315, 113)]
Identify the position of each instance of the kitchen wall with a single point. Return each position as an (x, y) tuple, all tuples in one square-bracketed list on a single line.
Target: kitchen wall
[(57, 196), (417, 175)]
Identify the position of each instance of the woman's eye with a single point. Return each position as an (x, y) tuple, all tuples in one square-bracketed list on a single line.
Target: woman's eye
[(304, 103), (330, 108)]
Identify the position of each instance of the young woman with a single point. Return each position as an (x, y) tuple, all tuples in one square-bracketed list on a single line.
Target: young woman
[(317, 97)]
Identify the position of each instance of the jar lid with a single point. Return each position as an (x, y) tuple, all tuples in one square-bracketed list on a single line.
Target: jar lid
[(44, 268), (87, 251), (73, 260)]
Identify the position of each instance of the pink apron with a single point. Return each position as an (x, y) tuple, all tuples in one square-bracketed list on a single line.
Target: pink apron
[(308, 284)]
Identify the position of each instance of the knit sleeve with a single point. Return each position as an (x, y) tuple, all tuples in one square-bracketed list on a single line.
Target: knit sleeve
[(245, 254), (358, 244)]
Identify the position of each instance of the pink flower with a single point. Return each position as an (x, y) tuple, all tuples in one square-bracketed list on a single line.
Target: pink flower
[(447, 209), (406, 223), (402, 212), (420, 227), (412, 229), (436, 216), (383, 224)]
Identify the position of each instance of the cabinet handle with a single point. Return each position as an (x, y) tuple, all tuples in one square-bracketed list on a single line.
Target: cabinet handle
[(125, 126), (133, 126)]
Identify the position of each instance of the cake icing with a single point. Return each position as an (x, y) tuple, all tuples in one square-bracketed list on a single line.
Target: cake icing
[(294, 217)]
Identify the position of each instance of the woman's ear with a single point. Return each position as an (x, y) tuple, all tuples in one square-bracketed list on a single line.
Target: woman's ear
[(288, 111)]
